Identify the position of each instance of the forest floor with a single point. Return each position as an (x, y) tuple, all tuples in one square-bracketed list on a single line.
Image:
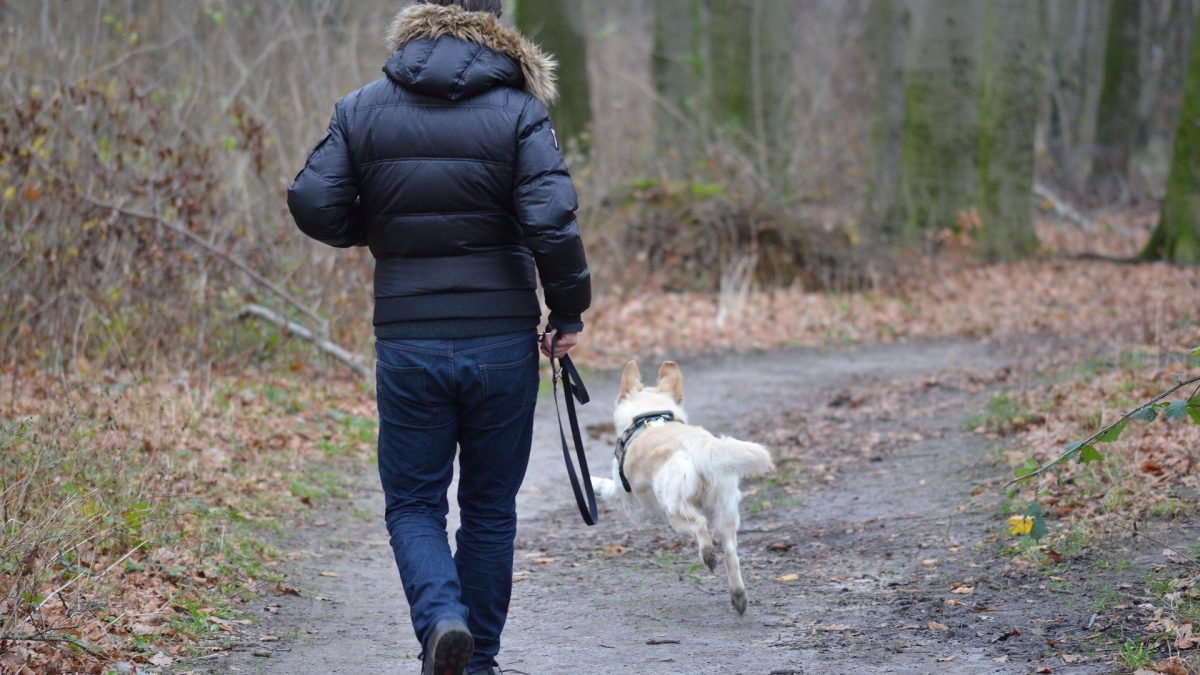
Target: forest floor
[(879, 546), (229, 520)]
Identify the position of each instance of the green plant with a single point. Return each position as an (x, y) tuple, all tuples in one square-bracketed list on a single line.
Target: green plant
[(1085, 450), (1002, 414), (1135, 656)]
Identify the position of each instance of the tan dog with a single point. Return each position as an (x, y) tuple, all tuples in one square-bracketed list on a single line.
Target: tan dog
[(680, 471)]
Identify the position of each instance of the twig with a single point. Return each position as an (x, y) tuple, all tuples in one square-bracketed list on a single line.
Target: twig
[(108, 569), (322, 343), (192, 237), (51, 638), (1161, 543), (1063, 209), (1091, 439)]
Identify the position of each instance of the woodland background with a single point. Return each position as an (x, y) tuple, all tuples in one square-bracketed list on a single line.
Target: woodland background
[(752, 174), (719, 146)]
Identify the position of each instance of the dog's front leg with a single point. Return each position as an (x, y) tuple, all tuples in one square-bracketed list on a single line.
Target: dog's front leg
[(604, 487)]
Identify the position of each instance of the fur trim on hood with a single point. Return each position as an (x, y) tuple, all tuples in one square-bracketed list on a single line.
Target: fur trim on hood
[(482, 28)]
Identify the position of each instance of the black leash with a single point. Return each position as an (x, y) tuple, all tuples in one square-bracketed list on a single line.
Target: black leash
[(573, 389)]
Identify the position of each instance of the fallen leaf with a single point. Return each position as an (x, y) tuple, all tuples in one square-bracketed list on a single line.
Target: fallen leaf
[(544, 561), (280, 589), (615, 549), (1184, 638), (1011, 633), (946, 659), (1071, 658), (788, 577), (962, 589), (835, 627), (161, 660), (935, 626), (1172, 666), (330, 574)]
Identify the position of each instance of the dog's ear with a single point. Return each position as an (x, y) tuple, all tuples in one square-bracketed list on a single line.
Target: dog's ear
[(631, 380), (670, 380)]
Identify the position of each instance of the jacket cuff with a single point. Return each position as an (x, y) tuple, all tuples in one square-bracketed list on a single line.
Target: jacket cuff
[(566, 323)]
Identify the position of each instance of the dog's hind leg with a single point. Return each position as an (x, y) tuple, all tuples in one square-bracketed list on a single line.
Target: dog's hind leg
[(675, 494), (689, 520), (727, 532)]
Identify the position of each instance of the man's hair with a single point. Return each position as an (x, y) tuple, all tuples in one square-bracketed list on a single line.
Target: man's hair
[(492, 6)]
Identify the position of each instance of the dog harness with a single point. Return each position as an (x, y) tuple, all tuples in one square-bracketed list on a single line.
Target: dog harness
[(640, 423)]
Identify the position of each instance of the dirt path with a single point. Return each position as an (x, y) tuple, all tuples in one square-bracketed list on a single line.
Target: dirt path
[(837, 551)]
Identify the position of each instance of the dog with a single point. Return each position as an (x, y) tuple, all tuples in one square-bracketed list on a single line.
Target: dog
[(680, 471)]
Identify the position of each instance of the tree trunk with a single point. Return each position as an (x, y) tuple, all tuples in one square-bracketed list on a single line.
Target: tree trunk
[(1075, 41), (751, 48), (620, 38), (557, 25), (883, 71), (681, 80), (1177, 236), (730, 36), (1116, 125), (941, 127), (1012, 83), (772, 96)]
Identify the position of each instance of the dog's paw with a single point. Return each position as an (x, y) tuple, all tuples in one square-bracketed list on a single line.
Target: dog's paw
[(709, 556), (603, 486), (739, 601)]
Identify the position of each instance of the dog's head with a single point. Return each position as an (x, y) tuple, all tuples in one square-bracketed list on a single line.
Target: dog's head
[(636, 399)]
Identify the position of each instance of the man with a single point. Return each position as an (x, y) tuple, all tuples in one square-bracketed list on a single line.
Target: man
[(449, 170)]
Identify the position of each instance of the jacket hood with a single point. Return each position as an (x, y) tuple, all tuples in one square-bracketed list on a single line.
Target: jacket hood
[(447, 52)]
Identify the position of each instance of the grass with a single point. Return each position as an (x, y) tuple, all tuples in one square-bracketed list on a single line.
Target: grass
[(149, 509), (1002, 414), (1135, 655), (774, 491)]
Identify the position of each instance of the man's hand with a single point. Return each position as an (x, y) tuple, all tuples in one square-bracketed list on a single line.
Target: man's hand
[(566, 342)]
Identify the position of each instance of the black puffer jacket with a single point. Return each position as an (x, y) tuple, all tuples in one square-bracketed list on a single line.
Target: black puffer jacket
[(449, 170)]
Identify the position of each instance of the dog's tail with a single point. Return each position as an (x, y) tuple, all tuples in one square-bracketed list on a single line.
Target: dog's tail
[(740, 457)]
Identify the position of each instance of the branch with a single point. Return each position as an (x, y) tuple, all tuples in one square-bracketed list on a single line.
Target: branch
[(1138, 533), (1063, 209), (108, 569), (51, 638), (322, 343), (192, 237), (1092, 439)]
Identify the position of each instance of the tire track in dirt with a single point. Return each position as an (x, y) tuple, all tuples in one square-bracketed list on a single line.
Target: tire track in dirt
[(621, 598)]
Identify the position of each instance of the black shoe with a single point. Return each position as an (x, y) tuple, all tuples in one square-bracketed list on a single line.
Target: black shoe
[(448, 649)]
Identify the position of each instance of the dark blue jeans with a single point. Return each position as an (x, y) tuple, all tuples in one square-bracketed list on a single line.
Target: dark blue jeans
[(434, 394)]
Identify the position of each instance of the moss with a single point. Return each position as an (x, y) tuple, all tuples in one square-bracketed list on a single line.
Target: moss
[(1008, 117), (1115, 124), (1177, 236), (941, 127)]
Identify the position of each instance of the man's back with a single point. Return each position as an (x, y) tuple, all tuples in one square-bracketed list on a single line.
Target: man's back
[(449, 170)]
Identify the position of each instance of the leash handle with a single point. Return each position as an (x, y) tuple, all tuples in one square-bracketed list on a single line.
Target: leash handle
[(573, 389)]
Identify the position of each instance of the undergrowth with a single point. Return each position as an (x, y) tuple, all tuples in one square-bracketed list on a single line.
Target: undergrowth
[(137, 514)]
